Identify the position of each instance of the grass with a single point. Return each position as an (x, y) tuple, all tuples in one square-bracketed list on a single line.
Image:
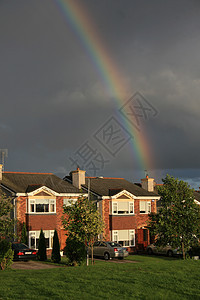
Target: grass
[(150, 278)]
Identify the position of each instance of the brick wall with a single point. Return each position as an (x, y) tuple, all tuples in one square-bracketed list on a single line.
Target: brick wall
[(126, 222), (21, 213), (36, 222), (41, 221)]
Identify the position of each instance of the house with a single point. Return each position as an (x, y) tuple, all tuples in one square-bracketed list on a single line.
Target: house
[(38, 200), (123, 205)]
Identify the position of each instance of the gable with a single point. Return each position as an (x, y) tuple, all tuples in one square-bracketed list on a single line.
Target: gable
[(123, 197), (42, 193)]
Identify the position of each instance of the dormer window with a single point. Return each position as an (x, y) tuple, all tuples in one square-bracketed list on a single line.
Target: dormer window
[(123, 207), (42, 206)]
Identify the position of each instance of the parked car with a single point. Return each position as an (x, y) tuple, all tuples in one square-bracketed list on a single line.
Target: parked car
[(165, 250), (108, 250), (23, 252)]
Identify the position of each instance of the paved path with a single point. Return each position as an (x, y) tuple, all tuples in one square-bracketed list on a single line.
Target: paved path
[(32, 265), (36, 265)]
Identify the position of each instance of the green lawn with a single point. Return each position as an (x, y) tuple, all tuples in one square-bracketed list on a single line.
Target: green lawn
[(150, 278)]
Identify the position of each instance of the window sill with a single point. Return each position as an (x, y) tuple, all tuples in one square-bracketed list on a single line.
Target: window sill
[(125, 215), (41, 213)]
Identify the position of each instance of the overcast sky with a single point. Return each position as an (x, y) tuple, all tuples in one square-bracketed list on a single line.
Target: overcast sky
[(54, 101)]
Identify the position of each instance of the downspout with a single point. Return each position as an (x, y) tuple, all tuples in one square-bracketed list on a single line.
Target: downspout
[(14, 210)]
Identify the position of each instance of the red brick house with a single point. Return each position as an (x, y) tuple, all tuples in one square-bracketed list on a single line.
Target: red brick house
[(123, 205), (38, 200)]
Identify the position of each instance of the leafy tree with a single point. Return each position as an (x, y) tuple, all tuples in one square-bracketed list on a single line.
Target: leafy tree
[(75, 251), (83, 221), (6, 222), (55, 255), (6, 254), (42, 253), (178, 220), (24, 237)]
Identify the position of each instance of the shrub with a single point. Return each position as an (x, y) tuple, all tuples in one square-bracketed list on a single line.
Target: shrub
[(75, 251), (6, 254), (42, 251), (55, 255), (24, 238), (194, 251)]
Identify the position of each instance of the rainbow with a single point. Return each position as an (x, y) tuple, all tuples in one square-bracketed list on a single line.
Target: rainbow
[(80, 22)]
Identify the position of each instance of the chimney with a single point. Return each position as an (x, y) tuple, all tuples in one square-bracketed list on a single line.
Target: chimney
[(1, 171), (148, 184), (78, 178)]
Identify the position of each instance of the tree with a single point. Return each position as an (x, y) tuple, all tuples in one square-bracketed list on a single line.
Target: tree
[(6, 222), (83, 222), (24, 238), (55, 255), (6, 231), (75, 251), (6, 254), (42, 253), (178, 220)]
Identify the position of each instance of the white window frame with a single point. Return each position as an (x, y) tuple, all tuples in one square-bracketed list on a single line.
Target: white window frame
[(147, 207), (35, 234), (115, 208), (126, 243), (39, 201), (68, 202)]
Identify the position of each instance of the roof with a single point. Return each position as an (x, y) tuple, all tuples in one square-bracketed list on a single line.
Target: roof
[(21, 182), (111, 186), (197, 196)]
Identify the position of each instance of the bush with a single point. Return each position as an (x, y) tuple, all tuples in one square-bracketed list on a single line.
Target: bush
[(24, 238), (194, 251), (55, 255), (6, 254), (75, 251), (42, 251)]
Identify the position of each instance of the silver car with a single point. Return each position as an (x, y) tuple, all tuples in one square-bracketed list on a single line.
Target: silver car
[(108, 250), (165, 250)]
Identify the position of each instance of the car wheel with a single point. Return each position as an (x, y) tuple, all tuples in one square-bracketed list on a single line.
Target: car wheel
[(169, 253), (106, 256), (149, 251)]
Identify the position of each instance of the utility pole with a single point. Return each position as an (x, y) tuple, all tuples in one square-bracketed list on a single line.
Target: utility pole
[(88, 200)]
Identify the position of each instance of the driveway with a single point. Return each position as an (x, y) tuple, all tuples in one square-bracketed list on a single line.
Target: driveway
[(32, 265)]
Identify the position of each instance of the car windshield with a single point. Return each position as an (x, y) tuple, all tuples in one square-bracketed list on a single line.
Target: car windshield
[(20, 246), (113, 244)]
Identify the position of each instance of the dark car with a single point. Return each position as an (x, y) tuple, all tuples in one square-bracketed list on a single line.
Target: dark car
[(23, 252), (108, 250)]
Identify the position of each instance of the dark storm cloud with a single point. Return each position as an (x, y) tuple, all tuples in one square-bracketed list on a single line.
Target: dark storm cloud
[(52, 98)]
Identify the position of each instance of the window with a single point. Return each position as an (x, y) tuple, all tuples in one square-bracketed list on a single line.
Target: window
[(34, 238), (125, 238), (42, 206), (145, 207), (68, 202), (115, 236), (122, 208)]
